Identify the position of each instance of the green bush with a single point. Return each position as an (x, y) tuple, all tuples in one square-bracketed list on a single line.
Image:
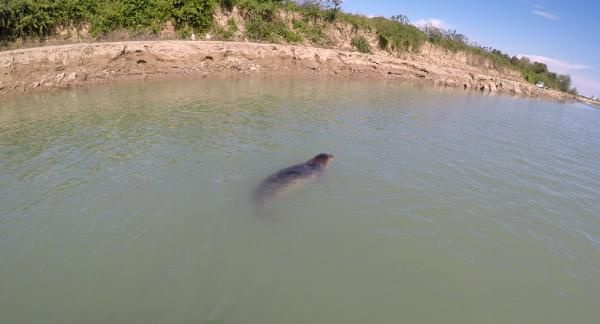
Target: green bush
[(271, 31), (225, 33), (28, 18), (260, 9), (232, 25), (257, 29), (221, 33), (228, 4), (361, 44), (42, 18), (396, 36), (357, 21), (311, 31), (290, 36), (194, 14)]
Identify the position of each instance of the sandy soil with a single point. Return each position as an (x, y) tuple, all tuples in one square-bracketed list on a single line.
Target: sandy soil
[(64, 66)]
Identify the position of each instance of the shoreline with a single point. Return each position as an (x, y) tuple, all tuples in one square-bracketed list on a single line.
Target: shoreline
[(73, 65)]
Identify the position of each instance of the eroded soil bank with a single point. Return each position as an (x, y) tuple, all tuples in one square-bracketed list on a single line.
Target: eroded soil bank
[(64, 66)]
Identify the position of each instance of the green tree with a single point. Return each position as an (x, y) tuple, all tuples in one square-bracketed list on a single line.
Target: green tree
[(564, 82), (538, 67), (515, 61), (401, 19), (335, 6)]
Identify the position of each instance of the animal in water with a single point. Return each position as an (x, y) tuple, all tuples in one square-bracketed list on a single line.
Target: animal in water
[(287, 178)]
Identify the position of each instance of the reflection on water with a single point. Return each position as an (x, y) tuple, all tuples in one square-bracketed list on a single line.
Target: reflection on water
[(130, 203)]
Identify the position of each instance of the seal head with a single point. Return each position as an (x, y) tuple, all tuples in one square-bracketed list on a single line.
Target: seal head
[(321, 160)]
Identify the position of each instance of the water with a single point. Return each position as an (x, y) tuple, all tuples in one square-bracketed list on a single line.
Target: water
[(129, 203)]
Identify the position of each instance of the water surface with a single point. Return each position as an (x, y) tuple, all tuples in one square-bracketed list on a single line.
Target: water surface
[(129, 203)]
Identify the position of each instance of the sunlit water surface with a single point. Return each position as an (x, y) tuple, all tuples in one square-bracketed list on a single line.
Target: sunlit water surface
[(129, 203)]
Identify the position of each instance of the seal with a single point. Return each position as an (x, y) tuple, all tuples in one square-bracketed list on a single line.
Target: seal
[(290, 177)]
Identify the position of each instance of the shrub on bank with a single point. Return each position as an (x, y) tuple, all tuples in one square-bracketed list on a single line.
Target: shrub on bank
[(272, 31), (20, 19), (361, 44), (396, 36), (312, 31)]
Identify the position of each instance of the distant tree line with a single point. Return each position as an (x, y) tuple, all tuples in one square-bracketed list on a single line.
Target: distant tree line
[(533, 72)]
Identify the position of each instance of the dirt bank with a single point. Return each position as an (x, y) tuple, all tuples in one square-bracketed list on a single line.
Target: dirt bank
[(65, 66)]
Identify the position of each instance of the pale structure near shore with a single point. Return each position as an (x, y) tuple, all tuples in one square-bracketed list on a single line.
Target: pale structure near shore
[(78, 64)]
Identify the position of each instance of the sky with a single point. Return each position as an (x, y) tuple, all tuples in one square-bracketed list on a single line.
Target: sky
[(562, 34)]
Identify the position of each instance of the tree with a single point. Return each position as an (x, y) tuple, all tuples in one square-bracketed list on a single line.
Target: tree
[(564, 82), (455, 36), (312, 9), (515, 61), (538, 67), (525, 61), (335, 6), (401, 19)]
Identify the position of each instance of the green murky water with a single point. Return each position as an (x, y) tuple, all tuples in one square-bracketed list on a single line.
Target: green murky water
[(129, 203)]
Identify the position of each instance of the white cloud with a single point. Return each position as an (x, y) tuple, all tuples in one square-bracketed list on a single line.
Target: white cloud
[(435, 22), (545, 14), (556, 64)]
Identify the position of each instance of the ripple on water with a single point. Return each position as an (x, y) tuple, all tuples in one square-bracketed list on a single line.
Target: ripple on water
[(485, 207)]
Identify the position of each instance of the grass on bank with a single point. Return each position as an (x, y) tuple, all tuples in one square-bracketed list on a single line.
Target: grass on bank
[(264, 20)]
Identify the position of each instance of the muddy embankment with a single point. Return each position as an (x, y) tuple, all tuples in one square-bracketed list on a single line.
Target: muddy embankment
[(64, 66)]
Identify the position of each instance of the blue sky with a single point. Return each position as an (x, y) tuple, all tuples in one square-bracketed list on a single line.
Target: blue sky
[(562, 34)]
